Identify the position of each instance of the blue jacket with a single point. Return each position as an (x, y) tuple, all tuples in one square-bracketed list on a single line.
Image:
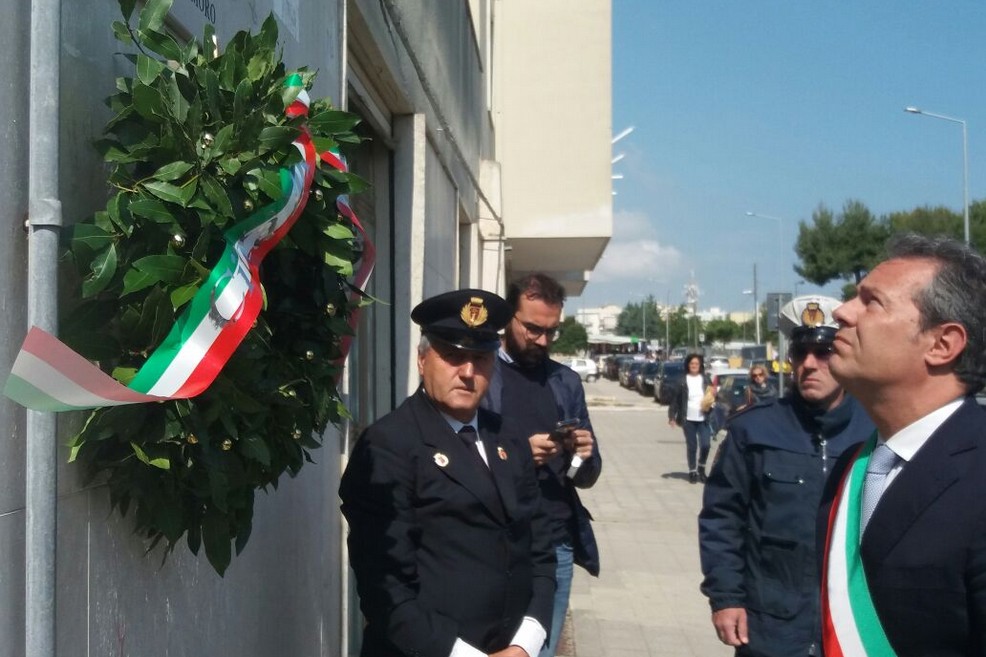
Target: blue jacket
[(757, 524), (566, 387)]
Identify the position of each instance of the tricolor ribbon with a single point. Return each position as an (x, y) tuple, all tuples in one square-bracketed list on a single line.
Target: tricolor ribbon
[(850, 624), (49, 376)]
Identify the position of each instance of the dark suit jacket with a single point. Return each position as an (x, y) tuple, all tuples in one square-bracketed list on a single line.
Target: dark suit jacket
[(441, 549), (924, 550)]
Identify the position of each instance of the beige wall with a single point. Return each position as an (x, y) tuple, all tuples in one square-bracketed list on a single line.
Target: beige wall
[(552, 113)]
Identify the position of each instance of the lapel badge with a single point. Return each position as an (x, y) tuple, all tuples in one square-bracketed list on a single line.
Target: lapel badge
[(474, 313), (441, 460), (502, 453)]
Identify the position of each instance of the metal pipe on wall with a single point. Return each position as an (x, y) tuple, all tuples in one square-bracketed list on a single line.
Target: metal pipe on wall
[(45, 216)]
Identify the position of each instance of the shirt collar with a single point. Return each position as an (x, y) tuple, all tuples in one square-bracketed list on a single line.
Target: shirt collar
[(906, 442), (504, 356), (457, 426)]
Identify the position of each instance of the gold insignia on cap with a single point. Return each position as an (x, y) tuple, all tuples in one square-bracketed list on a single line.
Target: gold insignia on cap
[(474, 313), (440, 459), (502, 453), (812, 315)]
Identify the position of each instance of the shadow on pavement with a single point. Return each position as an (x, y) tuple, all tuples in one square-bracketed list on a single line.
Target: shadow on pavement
[(675, 475)]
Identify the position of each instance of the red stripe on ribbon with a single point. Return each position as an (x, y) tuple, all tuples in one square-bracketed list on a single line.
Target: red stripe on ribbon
[(830, 640)]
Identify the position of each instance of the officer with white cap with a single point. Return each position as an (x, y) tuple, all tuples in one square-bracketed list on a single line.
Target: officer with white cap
[(757, 524)]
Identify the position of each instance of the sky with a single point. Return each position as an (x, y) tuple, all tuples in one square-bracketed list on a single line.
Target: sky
[(775, 107)]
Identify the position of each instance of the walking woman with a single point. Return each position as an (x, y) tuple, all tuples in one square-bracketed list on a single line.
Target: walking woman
[(688, 410)]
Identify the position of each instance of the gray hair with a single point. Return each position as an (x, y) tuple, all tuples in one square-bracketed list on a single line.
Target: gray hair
[(956, 293), (424, 344)]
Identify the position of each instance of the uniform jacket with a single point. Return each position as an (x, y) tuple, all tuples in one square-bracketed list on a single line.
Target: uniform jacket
[(440, 547), (924, 549), (566, 386), (757, 524)]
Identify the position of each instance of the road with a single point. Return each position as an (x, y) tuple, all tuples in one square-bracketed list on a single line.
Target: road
[(646, 601)]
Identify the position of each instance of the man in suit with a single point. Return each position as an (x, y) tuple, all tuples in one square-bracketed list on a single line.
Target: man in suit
[(451, 550), (905, 565)]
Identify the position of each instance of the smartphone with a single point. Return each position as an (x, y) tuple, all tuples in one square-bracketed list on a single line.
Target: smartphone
[(564, 427)]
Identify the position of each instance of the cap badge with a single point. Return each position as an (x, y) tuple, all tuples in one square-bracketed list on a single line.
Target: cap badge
[(813, 315), (474, 313), (440, 459), (502, 453)]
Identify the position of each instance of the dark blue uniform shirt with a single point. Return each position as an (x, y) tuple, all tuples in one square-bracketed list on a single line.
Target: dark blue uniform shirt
[(757, 524)]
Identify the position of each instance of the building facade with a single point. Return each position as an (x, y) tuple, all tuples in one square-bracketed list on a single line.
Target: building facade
[(462, 103)]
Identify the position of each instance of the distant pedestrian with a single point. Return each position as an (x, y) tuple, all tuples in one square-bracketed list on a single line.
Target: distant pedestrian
[(757, 525), (759, 388), (689, 409)]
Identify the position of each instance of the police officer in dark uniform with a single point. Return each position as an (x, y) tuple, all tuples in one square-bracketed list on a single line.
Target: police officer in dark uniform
[(757, 524), (451, 549)]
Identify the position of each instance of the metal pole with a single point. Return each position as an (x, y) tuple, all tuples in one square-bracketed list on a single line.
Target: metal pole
[(756, 303), (667, 327), (45, 215), (781, 351), (965, 182)]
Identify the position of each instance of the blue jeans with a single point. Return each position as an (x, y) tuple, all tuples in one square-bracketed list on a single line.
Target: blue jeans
[(697, 436), (563, 579)]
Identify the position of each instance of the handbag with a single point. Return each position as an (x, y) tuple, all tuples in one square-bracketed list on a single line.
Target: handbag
[(708, 400)]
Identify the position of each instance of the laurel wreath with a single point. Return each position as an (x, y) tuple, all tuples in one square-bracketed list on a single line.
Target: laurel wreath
[(195, 145)]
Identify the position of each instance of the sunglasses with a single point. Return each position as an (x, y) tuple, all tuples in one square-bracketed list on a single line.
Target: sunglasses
[(819, 351)]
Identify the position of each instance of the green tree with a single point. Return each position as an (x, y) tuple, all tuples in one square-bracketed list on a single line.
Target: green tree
[(631, 320), (721, 330), (840, 247), (572, 338)]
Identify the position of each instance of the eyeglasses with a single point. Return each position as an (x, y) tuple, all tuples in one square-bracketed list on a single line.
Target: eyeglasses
[(759, 375), (819, 351), (535, 332)]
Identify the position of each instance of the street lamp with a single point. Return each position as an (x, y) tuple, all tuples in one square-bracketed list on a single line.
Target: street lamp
[(780, 240), (965, 162)]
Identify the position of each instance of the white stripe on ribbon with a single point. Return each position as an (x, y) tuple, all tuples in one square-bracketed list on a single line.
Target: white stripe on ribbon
[(840, 607)]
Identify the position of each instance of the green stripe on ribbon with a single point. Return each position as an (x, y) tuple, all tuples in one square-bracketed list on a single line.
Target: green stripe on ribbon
[(868, 626)]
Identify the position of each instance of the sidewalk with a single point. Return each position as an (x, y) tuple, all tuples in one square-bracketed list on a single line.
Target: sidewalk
[(646, 601)]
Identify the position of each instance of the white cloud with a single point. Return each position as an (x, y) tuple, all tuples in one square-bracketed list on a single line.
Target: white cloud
[(635, 252)]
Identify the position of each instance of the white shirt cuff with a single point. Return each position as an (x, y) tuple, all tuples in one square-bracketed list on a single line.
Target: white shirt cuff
[(462, 649), (529, 636)]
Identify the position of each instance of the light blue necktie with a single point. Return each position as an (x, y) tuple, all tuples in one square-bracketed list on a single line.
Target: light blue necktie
[(882, 461)]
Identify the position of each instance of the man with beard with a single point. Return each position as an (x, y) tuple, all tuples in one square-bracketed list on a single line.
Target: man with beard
[(447, 538), (536, 395), (757, 524)]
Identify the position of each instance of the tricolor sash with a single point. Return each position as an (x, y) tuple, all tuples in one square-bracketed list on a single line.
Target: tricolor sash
[(850, 625)]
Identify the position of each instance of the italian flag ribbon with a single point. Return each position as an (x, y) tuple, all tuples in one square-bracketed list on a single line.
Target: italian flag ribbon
[(49, 376), (850, 625)]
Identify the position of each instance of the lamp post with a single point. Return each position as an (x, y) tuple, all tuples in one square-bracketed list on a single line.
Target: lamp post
[(780, 241), (965, 162), (756, 303)]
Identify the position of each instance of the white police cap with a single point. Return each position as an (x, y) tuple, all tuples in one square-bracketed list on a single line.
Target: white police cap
[(809, 319)]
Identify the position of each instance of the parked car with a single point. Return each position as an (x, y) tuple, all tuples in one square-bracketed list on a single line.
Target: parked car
[(668, 378), (731, 389), (614, 364), (584, 367), (645, 380), (629, 372)]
